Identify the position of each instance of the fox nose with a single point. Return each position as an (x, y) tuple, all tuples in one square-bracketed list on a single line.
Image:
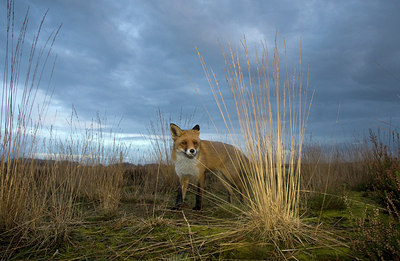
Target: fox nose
[(192, 151)]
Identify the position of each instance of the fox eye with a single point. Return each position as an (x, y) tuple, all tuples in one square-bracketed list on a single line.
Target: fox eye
[(184, 143), (195, 143)]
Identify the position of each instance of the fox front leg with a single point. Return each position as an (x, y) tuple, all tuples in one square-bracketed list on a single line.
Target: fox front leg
[(180, 197), (200, 192)]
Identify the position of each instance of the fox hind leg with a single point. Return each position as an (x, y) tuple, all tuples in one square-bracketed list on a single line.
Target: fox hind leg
[(235, 182), (228, 184)]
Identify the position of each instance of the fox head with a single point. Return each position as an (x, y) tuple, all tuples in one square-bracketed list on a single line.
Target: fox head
[(186, 141)]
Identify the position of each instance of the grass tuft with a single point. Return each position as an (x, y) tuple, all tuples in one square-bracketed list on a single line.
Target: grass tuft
[(271, 114)]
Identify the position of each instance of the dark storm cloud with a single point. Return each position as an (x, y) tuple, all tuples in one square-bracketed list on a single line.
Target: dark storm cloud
[(130, 57)]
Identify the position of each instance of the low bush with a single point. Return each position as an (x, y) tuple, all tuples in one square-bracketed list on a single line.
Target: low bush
[(378, 236), (385, 169), (378, 230)]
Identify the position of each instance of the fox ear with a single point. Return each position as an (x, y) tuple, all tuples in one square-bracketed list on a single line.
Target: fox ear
[(176, 132), (197, 127)]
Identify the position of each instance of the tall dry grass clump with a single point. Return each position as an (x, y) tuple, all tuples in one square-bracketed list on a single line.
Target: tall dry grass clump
[(21, 201), (271, 110), (45, 177), (36, 206)]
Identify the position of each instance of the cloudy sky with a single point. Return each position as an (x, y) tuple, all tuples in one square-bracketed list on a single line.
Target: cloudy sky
[(127, 59)]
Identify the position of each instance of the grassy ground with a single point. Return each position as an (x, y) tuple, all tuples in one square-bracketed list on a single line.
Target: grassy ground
[(144, 227)]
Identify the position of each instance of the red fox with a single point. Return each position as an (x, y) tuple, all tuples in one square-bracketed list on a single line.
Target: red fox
[(193, 157)]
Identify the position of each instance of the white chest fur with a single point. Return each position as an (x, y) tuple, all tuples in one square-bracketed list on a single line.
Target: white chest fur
[(185, 166)]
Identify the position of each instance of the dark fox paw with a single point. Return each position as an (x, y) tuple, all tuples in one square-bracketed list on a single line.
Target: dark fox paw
[(180, 206), (197, 208)]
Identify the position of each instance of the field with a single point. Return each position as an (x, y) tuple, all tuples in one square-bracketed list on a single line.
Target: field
[(75, 196), (347, 222)]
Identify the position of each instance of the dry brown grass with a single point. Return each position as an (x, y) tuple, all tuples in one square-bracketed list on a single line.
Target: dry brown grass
[(38, 198), (333, 169), (271, 114), (21, 202), (161, 146)]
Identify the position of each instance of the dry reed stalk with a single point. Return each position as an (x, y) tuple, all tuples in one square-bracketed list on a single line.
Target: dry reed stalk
[(348, 167), (38, 198), (94, 158), (36, 205), (161, 142), (20, 198), (272, 117)]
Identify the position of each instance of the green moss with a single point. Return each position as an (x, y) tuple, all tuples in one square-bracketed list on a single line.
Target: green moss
[(325, 254), (102, 216), (225, 211), (206, 231), (326, 202), (252, 251)]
